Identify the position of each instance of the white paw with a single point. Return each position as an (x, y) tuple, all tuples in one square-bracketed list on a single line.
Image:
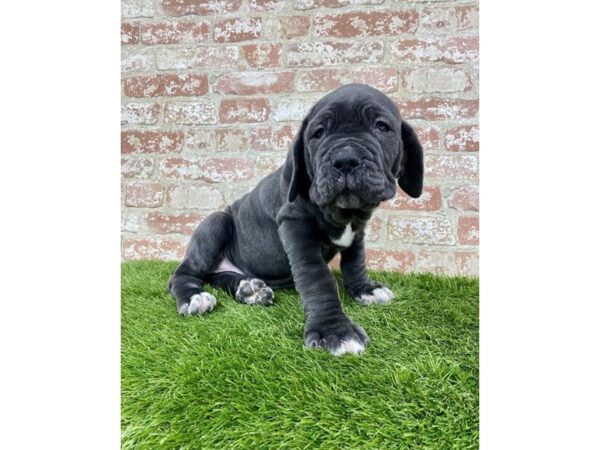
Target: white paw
[(201, 303), (348, 346), (380, 295), (254, 292)]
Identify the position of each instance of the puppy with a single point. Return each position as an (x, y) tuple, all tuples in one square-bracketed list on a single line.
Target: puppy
[(347, 157)]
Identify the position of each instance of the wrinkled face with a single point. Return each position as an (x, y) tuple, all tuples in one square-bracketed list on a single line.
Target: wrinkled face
[(351, 145)]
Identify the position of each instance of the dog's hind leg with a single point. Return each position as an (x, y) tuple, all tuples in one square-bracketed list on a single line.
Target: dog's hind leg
[(187, 282), (251, 291)]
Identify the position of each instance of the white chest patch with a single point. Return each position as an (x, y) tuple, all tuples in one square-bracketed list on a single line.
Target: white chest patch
[(346, 238)]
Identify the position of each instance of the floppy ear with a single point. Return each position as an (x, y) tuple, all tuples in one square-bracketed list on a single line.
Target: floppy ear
[(299, 182), (410, 178)]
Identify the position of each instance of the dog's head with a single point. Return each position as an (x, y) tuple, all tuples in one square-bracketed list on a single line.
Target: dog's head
[(352, 149)]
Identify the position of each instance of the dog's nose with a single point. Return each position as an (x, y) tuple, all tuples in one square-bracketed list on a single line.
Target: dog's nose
[(345, 160)]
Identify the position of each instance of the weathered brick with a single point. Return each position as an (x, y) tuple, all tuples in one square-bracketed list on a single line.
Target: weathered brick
[(139, 113), (310, 4), (131, 221), (436, 80), (249, 83), (191, 196), (292, 108), (294, 26), (137, 8), (463, 139), (136, 141), (310, 54), (191, 113), (269, 138), (324, 80), (200, 7), (448, 50), (464, 263), (213, 170), (390, 260), (452, 167), (174, 32), (267, 5), (434, 230), (151, 248), (166, 85), (144, 195), (465, 198), (450, 18), (239, 29), (200, 140), (468, 230), (373, 229), (429, 137), (375, 23), (262, 55), (130, 33), (183, 223), (197, 58), (244, 110), (231, 139), (439, 109), (136, 167), (430, 200), (135, 60), (267, 164)]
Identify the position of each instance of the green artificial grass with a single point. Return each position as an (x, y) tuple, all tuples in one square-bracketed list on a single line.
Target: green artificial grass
[(240, 378)]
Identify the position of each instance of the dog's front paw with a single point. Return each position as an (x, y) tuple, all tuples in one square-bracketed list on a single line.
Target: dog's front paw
[(199, 304), (254, 292), (375, 294), (342, 336)]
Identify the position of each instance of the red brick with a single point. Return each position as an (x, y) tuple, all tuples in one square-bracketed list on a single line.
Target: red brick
[(144, 195), (310, 4), (236, 30), (294, 26), (292, 108), (166, 86), (244, 110), (457, 166), (390, 260), (429, 136), (193, 196), (434, 230), (465, 198), (139, 113), (136, 167), (130, 33), (213, 170), (149, 248), (450, 18), (197, 58), (436, 80), (174, 32), (266, 5), (463, 139), (262, 55), (375, 23), (373, 229), (183, 223), (271, 138), (464, 263), (468, 230), (430, 200), (439, 109), (231, 139), (200, 7), (448, 50), (249, 83), (324, 80), (151, 141), (191, 113), (267, 164), (310, 54)]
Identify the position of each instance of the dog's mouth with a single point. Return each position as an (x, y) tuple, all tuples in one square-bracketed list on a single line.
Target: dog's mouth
[(348, 200)]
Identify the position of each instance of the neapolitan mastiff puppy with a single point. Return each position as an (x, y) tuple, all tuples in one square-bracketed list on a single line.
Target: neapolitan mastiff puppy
[(347, 157)]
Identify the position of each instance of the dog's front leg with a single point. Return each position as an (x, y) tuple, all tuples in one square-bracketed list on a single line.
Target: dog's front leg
[(356, 279), (326, 325)]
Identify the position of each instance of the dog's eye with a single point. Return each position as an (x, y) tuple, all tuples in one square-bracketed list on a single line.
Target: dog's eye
[(382, 126), (319, 133)]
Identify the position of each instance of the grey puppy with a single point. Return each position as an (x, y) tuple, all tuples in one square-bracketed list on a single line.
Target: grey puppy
[(347, 157)]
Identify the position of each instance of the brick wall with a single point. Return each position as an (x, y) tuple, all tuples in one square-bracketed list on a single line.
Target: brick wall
[(214, 90)]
